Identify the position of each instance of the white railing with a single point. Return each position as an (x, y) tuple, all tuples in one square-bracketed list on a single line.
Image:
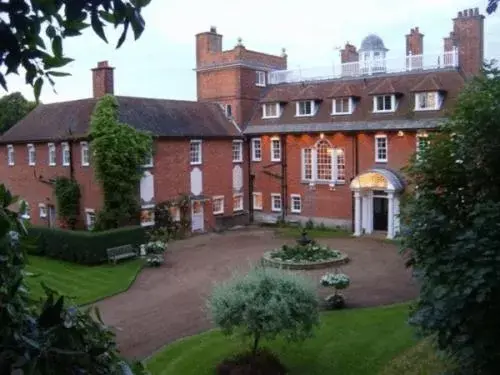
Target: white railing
[(366, 68)]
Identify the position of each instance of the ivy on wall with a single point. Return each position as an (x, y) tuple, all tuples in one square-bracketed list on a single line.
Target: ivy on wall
[(118, 151), (68, 194), (166, 226)]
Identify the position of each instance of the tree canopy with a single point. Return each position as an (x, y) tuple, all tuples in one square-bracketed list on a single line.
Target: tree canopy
[(13, 107), (32, 33)]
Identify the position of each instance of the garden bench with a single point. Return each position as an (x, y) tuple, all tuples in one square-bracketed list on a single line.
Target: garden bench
[(120, 252)]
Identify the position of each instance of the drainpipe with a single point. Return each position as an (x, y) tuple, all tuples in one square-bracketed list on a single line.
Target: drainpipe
[(355, 158), (251, 179), (284, 186)]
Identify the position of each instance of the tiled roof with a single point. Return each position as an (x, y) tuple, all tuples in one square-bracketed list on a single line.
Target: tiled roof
[(429, 83), (345, 90), (171, 118)]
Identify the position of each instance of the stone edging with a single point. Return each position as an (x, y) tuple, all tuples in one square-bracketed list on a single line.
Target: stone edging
[(268, 261)]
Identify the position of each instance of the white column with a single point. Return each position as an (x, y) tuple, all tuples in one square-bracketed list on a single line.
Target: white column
[(357, 213), (390, 216)]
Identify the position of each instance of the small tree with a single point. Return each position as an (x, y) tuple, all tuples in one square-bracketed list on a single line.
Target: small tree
[(265, 303)]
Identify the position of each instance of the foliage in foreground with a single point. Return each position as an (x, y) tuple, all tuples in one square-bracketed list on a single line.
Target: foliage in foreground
[(452, 229), (13, 107), (265, 303)]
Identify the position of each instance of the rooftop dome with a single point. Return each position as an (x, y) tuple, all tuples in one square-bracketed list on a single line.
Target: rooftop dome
[(372, 43)]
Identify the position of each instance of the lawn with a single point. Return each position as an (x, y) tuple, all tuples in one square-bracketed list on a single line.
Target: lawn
[(348, 342), (296, 232), (83, 284)]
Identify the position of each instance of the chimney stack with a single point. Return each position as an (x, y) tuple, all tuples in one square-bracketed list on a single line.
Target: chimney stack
[(415, 42), (349, 54), (103, 79)]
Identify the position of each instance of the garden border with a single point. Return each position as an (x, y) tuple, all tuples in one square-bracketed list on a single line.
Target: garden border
[(268, 261)]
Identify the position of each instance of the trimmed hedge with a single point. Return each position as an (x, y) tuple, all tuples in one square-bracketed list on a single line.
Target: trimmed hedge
[(80, 246)]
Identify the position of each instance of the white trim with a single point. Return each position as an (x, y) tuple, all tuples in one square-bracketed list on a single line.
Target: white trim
[(26, 215), (240, 199), (265, 112), (276, 138), (350, 106), (65, 148), (273, 207), (292, 208), (52, 150), (31, 148), (199, 149), (42, 209), (393, 103), (438, 99), (254, 157), (313, 108), (84, 146), (256, 207), (88, 213), (260, 78), (218, 198), (238, 142), (377, 159), (11, 158)]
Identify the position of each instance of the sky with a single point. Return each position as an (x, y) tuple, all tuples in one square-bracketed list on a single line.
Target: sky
[(160, 64)]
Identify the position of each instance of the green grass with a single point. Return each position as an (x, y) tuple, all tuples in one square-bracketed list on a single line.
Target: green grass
[(296, 232), (348, 342), (83, 284)]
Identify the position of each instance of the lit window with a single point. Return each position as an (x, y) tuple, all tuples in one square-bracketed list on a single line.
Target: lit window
[(90, 218), (340, 165), (237, 151), (256, 149), (175, 213), (271, 110), (260, 78), (305, 108), (43, 210), (237, 202), (84, 151), (384, 103), (276, 202), (218, 205), (427, 101), (31, 154), (275, 149), (10, 155), (296, 203), (381, 148), (52, 154), (65, 154), (342, 106), (257, 201), (195, 152), (324, 161)]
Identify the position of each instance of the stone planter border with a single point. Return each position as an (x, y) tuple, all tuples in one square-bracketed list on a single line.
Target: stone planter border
[(268, 261)]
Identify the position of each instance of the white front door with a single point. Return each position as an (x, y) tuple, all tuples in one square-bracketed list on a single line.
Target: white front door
[(197, 216)]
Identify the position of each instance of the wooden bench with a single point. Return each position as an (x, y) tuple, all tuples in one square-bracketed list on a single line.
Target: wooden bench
[(120, 252)]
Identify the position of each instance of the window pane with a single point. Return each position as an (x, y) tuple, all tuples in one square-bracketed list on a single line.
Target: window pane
[(387, 102), (256, 149), (324, 162), (340, 165), (380, 103), (307, 162), (276, 149)]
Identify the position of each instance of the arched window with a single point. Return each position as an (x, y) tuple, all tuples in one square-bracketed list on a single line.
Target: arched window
[(324, 161)]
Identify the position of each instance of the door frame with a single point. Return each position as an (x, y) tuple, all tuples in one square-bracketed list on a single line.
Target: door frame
[(202, 214), (384, 197)]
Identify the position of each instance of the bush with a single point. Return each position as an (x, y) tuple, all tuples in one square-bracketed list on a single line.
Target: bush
[(83, 247), (305, 253), (265, 303)]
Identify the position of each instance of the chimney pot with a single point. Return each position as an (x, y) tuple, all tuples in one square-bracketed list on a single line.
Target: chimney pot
[(103, 64), (416, 29), (471, 12), (476, 11), (459, 14), (102, 79), (213, 29)]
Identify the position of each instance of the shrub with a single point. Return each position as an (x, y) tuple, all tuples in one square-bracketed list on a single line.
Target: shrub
[(338, 281), (265, 303), (305, 253), (80, 246)]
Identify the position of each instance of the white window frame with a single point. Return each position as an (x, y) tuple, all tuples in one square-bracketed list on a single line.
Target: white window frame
[(377, 159), (11, 158), (26, 215), (297, 108), (239, 144), (240, 207), (221, 199), (335, 152), (31, 154), (84, 146), (393, 103), (260, 78), (42, 209), (255, 206), (437, 101), (199, 149), (265, 111), (273, 207), (65, 152), (350, 106), (254, 148), (292, 207), (88, 213), (52, 152), (273, 158)]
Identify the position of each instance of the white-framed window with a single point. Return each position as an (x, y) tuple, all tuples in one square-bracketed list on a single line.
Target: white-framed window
[(384, 103), (381, 148), (42, 210), (307, 164), (195, 152), (260, 78), (323, 163), (10, 155), (422, 143), (218, 204), (427, 101), (31, 154), (295, 203), (237, 151), (84, 154), (90, 218), (175, 213), (271, 110), (276, 202), (65, 154), (228, 109), (342, 106), (305, 108), (256, 149), (340, 165), (238, 202), (52, 154), (257, 201), (275, 149)]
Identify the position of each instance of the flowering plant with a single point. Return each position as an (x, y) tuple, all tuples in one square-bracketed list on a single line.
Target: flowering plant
[(155, 247), (337, 280)]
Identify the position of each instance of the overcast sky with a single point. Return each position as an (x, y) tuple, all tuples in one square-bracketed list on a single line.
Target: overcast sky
[(161, 63)]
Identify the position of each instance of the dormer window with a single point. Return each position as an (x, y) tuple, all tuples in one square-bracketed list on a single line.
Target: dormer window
[(342, 106), (305, 108), (260, 78), (271, 110), (384, 103), (428, 101)]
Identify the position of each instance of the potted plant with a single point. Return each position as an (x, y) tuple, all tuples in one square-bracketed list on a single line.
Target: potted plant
[(155, 253), (338, 281)]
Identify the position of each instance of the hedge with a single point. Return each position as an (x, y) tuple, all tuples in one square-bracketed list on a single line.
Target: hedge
[(80, 246)]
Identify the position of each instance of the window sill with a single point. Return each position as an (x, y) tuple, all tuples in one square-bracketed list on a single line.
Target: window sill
[(237, 161), (296, 212), (32, 164), (268, 117), (276, 160), (85, 165), (426, 109), (257, 208), (309, 115), (341, 114), (385, 111), (199, 163), (256, 160), (381, 160), (307, 182), (218, 213), (260, 84)]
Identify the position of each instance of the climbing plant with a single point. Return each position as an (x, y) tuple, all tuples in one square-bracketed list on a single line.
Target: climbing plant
[(166, 225), (68, 195), (118, 151)]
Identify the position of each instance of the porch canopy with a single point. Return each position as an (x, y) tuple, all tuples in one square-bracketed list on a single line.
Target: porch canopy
[(378, 179)]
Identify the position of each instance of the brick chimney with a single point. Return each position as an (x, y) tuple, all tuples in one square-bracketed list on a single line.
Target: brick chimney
[(449, 42), (103, 79), (349, 54), (415, 42), (207, 44)]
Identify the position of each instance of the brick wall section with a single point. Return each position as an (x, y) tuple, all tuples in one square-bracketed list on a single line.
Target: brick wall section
[(103, 79), (415, 42)]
